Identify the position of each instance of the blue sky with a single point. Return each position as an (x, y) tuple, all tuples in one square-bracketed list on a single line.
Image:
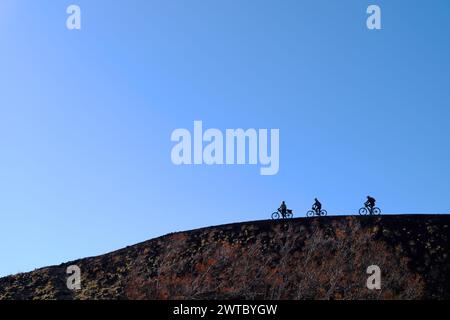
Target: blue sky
[(86, 116)]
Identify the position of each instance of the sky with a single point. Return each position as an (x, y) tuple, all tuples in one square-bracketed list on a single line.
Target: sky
[(86, 116)]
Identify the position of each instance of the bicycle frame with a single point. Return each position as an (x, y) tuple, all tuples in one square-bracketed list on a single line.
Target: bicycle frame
[(369, 208)]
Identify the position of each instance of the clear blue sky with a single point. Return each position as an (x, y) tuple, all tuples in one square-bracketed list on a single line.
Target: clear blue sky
[(86, 116)]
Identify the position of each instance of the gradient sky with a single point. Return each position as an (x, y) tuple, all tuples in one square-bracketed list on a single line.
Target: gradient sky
[(86, 116)]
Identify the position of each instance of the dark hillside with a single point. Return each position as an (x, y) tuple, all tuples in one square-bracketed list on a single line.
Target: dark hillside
[(323, 258)]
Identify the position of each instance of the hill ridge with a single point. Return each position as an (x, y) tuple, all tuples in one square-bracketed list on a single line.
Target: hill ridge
[(421, 239)]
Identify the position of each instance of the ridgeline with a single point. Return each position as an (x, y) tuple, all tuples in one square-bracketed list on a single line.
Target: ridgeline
[(316, 258)]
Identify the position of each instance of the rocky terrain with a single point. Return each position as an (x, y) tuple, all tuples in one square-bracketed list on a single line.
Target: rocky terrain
[(320, 258)]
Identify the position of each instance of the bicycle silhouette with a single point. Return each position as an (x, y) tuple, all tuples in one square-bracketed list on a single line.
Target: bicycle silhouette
[(278, 215), (369, 211), (312, 213)]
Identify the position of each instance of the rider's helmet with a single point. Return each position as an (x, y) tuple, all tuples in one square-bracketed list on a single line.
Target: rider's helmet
[(315, 199)]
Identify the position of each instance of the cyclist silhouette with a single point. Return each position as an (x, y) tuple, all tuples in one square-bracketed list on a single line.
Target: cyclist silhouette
[(369, 207), (317, 206), (283, 212), (283, 209), (316, 210), (370, 203)]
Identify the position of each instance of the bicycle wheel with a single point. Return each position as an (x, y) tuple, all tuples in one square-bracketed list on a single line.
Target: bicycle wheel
[(376, 211), (289, 215), (275, 215), (310, 214), (323, 213), (363, 211)]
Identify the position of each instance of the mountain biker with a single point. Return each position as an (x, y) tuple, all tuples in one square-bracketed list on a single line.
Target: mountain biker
[(317, 206), (283, 209), (370, 203)]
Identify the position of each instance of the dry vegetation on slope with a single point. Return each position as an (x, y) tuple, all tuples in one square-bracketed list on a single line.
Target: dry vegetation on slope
[(322, 258)]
